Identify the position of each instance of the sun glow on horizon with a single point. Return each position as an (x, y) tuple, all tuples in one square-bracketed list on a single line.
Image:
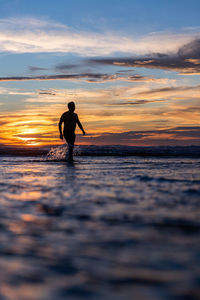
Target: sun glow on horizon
[(136, 122)]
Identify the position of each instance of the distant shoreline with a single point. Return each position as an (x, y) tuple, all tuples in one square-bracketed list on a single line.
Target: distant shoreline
[(115, 150)]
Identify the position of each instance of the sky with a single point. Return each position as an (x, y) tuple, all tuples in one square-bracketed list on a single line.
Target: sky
[(132, 68)]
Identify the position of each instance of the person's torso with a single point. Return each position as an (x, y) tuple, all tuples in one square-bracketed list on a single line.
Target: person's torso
[(69, 120)]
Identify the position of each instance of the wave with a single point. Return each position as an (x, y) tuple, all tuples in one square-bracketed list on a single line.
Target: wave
[(59, 152)]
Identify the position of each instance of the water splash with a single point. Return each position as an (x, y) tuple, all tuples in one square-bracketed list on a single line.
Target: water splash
[(59, 153)]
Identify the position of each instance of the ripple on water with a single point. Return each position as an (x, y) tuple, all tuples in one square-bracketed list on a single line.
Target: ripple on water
[(101, 228)]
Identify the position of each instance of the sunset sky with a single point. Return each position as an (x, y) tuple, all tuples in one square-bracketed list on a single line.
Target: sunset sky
[(132, 68)]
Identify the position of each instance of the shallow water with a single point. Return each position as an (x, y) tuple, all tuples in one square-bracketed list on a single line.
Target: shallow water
[(101, 228)]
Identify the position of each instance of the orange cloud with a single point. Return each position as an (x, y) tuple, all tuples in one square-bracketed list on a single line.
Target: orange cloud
[(127, 108)]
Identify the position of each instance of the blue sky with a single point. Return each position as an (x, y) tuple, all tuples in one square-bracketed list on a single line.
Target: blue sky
[(134, 16), (132, 67)]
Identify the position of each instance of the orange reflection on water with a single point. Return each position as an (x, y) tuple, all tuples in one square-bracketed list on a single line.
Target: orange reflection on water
[(28, 218), (26, 196)]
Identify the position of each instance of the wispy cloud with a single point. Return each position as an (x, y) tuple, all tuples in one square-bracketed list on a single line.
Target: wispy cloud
[(88, 77), (172, 92), (36, 69), (31, 35), (144, 110), (186, 59), (14, 91), (37, 126), (172, 136), (28, 127)]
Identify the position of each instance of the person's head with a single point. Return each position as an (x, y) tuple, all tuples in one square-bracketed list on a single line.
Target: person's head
[(71, 106)]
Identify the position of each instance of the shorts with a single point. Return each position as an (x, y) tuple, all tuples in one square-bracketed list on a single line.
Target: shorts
[(69, 137)]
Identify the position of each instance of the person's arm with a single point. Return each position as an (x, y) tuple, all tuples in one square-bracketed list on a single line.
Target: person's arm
[(60, 127), (80, 125)]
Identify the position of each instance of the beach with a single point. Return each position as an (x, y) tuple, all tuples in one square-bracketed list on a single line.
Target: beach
[(103, 227), (99, 150)]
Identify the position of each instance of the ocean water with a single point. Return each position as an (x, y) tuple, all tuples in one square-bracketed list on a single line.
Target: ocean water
[(103, 227)]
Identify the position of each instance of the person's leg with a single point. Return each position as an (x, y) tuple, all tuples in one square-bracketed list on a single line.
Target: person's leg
[(70, 139), (70, 151)]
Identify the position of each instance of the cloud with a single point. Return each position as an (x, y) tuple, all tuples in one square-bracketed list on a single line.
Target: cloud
[(172, 92), (14, 91), (35, 69), (47, 92), (89, 77), (137, 102), (32, 35), (28, 127), (37, 122), (186, 60), (66, 67), (172, 136)]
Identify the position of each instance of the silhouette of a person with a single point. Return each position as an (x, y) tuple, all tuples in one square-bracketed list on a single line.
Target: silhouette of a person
[(70, 120)]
